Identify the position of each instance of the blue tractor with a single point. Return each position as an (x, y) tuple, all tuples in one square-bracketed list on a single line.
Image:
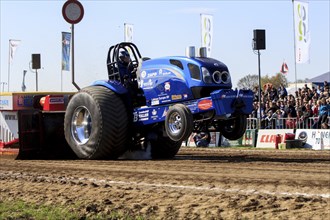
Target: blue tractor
[(155, 102)]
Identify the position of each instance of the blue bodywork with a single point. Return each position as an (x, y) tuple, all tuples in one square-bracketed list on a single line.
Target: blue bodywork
[(202, 84)]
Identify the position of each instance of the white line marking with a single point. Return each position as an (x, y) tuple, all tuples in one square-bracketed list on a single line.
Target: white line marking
[(199, 188)]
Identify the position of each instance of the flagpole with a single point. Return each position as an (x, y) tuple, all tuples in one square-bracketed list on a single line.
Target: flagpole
[(8, 79), (294, 43)]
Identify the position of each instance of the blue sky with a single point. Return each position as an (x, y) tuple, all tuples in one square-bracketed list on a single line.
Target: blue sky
[(161, 28)]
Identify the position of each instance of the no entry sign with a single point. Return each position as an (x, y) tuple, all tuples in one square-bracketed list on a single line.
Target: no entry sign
[(73, 11)]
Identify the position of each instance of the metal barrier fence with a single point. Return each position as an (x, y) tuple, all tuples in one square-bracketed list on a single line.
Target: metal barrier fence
[(283, 123)]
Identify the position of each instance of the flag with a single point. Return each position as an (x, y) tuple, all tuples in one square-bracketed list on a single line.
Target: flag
[(207, 32), (284, 68), (13, 44), (128, 35), (66, 41), (302, 33)]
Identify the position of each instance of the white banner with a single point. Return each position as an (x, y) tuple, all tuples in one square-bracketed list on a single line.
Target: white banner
[(128, 35), (13, 44), (207, 32), (302, 33)]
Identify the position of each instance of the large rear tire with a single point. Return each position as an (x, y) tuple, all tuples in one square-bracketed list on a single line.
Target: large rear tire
[(235, 128), (96, 124)]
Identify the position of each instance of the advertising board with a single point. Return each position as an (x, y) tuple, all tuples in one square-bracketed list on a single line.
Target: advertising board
[(267, 137), (316, 139)]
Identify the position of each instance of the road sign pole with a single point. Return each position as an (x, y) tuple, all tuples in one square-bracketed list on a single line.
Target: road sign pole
[(73, 12), (72, 63)]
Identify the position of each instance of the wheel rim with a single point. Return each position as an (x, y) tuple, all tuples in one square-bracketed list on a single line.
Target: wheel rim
[(175, 123), (81, 125)]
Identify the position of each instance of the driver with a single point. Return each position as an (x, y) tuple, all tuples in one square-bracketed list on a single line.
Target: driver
[(126, 70)]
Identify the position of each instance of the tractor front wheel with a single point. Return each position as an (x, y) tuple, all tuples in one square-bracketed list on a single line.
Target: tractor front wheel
[(178, 122)]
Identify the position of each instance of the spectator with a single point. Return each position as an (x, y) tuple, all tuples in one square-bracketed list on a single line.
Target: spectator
[(270, 120), (280, 118), (300, 108), (291, 109), (290, 122), (202, 139), (324, 113), (273, 94), (318, 89), (303, 116), (316, 107), (306, 88), (325, 85), (282, 92)]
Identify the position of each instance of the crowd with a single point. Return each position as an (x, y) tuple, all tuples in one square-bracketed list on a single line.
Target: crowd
[(307, 108)]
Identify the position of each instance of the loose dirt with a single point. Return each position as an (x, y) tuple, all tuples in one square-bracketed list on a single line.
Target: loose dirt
[(199, 183)]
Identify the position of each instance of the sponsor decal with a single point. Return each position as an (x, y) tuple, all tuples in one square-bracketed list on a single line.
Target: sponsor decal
[(167, 86), (152, 74), (24, 101), (4, 102), (176, 97), (154, 101), (164, 97), (205, 104), (162, 72), (143, 74), (164, 113), (269, 138), (227, 96), (166, 73), (148, 84), (185, 96), (135, 117), (56, 100), (11, 117), (144, 115), (154, 115)]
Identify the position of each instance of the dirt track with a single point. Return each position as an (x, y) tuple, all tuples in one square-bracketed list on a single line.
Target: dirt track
[(199, 183)]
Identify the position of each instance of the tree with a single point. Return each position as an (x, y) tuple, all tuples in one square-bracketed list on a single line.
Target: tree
[(248, 82), (276, 81), (252, 81)]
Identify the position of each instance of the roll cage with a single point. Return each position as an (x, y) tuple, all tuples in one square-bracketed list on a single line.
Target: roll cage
[(114, 72)]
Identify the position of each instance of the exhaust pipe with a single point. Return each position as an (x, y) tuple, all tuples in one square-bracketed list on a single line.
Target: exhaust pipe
[(203, 52), (190, 51)]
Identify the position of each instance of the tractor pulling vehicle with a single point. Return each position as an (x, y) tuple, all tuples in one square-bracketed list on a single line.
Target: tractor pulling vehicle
[(150, 102)]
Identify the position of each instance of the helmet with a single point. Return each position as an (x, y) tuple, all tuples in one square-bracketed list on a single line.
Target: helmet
[(124, 56)]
